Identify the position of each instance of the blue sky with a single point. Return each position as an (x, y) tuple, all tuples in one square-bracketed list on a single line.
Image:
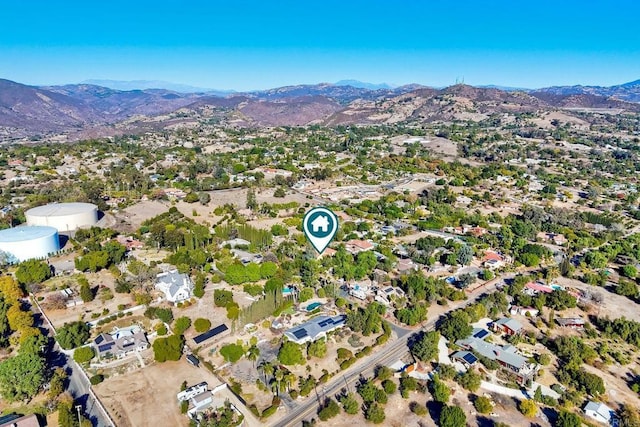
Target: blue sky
[(246, 44)]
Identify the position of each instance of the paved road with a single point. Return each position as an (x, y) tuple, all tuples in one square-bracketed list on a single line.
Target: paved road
[(392, 352), (78, 385)]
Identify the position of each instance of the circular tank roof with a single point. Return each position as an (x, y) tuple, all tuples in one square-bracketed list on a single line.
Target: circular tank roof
[(26, 233), (61, 209)]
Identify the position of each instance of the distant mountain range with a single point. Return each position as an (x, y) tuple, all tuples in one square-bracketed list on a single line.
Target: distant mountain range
[(626, 92), (87, 110), (154, 84)]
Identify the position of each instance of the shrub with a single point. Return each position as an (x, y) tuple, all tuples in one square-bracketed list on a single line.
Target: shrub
[(483, 405), (528, 408), (96, 379), (202, 325), (83, 354), (418, 409), (330, 410)]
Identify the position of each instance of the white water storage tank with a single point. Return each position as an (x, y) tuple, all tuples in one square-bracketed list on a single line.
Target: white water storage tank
[(29, 242), (63, 216)]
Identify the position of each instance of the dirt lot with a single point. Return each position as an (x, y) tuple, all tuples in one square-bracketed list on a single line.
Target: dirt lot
[(614, 305), (101, 278), (147, 397)]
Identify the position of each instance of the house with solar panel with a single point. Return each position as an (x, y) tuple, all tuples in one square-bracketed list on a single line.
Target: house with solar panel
[(120, 343), (507, 356), (314, 329), (507, 325)]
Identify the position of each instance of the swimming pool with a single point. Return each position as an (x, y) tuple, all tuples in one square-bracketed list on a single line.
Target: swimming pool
[(313, 306)]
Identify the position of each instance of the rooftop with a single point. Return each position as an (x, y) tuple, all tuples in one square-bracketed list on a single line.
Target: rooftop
[(313, 328)]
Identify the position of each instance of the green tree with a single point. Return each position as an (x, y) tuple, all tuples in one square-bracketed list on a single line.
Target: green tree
[(83, 354), (470, 380), (22, 376), (452, 416), (456, 326), (350, 404), (329, 410), (268, 270), (32, 272), (528, 408), (375, 414), (483, 405), (537, 395), (440, 391), (426, 347), (181, 325), (221, 297), (290, 353), (168, 348), (568, 419), (231, 352), (56, 385), (317, 348), (389, 386), (73, 334), (86, 293)]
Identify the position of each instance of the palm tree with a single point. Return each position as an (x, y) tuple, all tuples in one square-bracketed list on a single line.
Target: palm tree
[(253, 353), (289, 380), (267, 369), (278, 376)]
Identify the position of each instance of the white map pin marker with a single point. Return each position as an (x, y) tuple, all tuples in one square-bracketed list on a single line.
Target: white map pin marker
[(320, 226)]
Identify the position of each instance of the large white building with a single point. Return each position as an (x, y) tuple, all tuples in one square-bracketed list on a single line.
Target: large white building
[(63, 216), (29, 242), (177, 287)]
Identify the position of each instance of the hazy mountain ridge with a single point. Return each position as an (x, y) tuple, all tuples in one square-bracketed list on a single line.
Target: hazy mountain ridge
[(84, 109), (629, 92)]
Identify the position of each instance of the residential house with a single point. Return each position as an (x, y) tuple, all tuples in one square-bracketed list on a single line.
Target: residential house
[(507, 325), (356, 246), (177, 287), (555, 238), (570, 322), (387, 294), (506, 356), (316, 328), (406, 266), (493, 260), (533, 288), (599, 412), (129, 242), (120, 343), (359, 291), (328, 252)]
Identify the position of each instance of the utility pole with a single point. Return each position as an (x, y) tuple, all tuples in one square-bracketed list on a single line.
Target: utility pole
[(78, 409)]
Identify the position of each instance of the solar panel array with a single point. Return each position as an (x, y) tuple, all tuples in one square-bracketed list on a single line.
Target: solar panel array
[(300, 333), (470, 358), (210, 333), (481, 334), (105, 347)]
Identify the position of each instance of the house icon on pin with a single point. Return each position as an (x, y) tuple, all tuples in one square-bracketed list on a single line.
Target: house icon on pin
[(320, 224)]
